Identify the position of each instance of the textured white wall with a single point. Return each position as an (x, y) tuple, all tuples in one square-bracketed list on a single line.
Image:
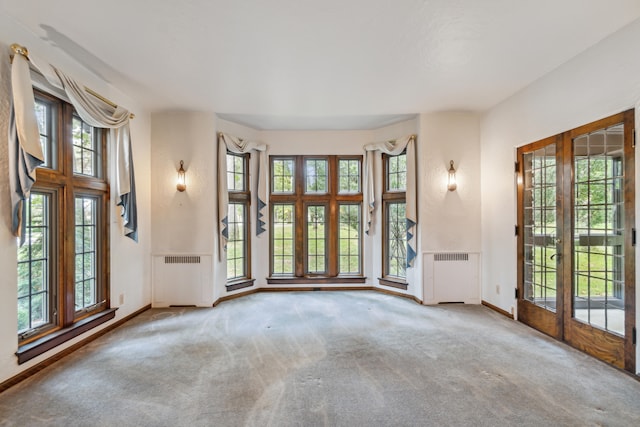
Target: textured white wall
[(601, 81), (451, 219), (130, 262), (183, 222)]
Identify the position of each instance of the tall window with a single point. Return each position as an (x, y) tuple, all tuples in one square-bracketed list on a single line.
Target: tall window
[(63, 264), (395, 219), (316, 211), (238, 270)]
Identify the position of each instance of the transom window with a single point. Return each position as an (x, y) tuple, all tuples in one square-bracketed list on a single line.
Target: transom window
[(396, 176), (86, 150), (282, 176), (349, 176), (46, 115), (316, 211), (236, 172), (315, 176)]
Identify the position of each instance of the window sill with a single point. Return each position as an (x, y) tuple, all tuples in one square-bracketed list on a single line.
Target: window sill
[(240, 284), (314, 280), (36, 348), (394, 283)]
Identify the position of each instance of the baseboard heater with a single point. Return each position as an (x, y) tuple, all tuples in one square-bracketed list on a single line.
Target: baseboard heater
[(182, 280), (451, 277)]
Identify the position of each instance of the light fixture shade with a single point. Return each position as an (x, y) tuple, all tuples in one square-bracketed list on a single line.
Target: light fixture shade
[(451, 183), (182, 182)]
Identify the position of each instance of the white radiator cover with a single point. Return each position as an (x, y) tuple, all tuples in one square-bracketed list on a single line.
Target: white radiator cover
[(182, 280), (451, 277)]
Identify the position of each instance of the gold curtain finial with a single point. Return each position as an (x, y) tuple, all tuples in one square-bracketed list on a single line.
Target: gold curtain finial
[(16, 49), (21, 50)]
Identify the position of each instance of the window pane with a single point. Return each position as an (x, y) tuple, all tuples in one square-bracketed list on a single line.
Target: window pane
[(397, 173), (34, 287), (315, 176), (45, 117), (237, 243), (85, 148), (349, 239), (283, 239), (282, 176), (540, 269), (349, 176), (396, 239), (598, 229), (316, 240), (236, 173), (85, 252)]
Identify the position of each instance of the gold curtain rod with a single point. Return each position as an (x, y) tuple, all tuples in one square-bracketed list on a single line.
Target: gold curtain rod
[(21, 50)]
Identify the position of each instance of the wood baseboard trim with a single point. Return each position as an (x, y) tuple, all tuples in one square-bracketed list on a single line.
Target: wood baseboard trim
[(67, 351), (497, 309), (234, 296), (316, 289), (398, 294)]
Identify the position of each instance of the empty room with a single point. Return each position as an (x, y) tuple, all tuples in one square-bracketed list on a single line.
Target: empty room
[(350, 213)]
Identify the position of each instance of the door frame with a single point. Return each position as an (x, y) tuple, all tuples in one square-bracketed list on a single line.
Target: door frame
[(561, 324), (537, 317)]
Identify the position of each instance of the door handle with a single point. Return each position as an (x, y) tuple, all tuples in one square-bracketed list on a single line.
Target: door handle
[(554, 255)]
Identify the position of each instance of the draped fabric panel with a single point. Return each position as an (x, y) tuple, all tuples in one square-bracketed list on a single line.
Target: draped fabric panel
[(373, 152), (25, 151), (240, 146), (97, 113)]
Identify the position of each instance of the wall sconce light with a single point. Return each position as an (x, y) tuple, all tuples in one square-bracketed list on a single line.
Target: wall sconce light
[(182, 183), (451, 184)]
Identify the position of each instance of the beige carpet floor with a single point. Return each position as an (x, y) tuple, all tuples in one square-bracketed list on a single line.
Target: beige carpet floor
[(324, 359)]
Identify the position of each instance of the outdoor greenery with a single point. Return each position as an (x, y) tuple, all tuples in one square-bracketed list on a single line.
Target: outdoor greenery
[(236, 252), (235, 172), (349, 176), (597, 218), (85, 262), (283, 239), (282, 176), (33, 264), (397, 239), (316, 176), (397, 173), (315, 218), (43, 117), (349, 241), (84, 148), (349, 254)]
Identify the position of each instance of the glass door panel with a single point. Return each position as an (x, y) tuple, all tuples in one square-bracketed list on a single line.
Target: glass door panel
[(540, 269), (598, 231), (576, 210), (540, 219)]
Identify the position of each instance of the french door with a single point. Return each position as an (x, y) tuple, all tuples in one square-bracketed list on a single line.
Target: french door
[(576, 219)]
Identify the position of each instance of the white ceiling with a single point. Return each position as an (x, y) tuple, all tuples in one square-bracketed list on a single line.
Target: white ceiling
[(324, 64)]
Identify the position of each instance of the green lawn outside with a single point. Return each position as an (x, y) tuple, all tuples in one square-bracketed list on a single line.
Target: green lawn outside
[(594, 271), (348, 259)]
